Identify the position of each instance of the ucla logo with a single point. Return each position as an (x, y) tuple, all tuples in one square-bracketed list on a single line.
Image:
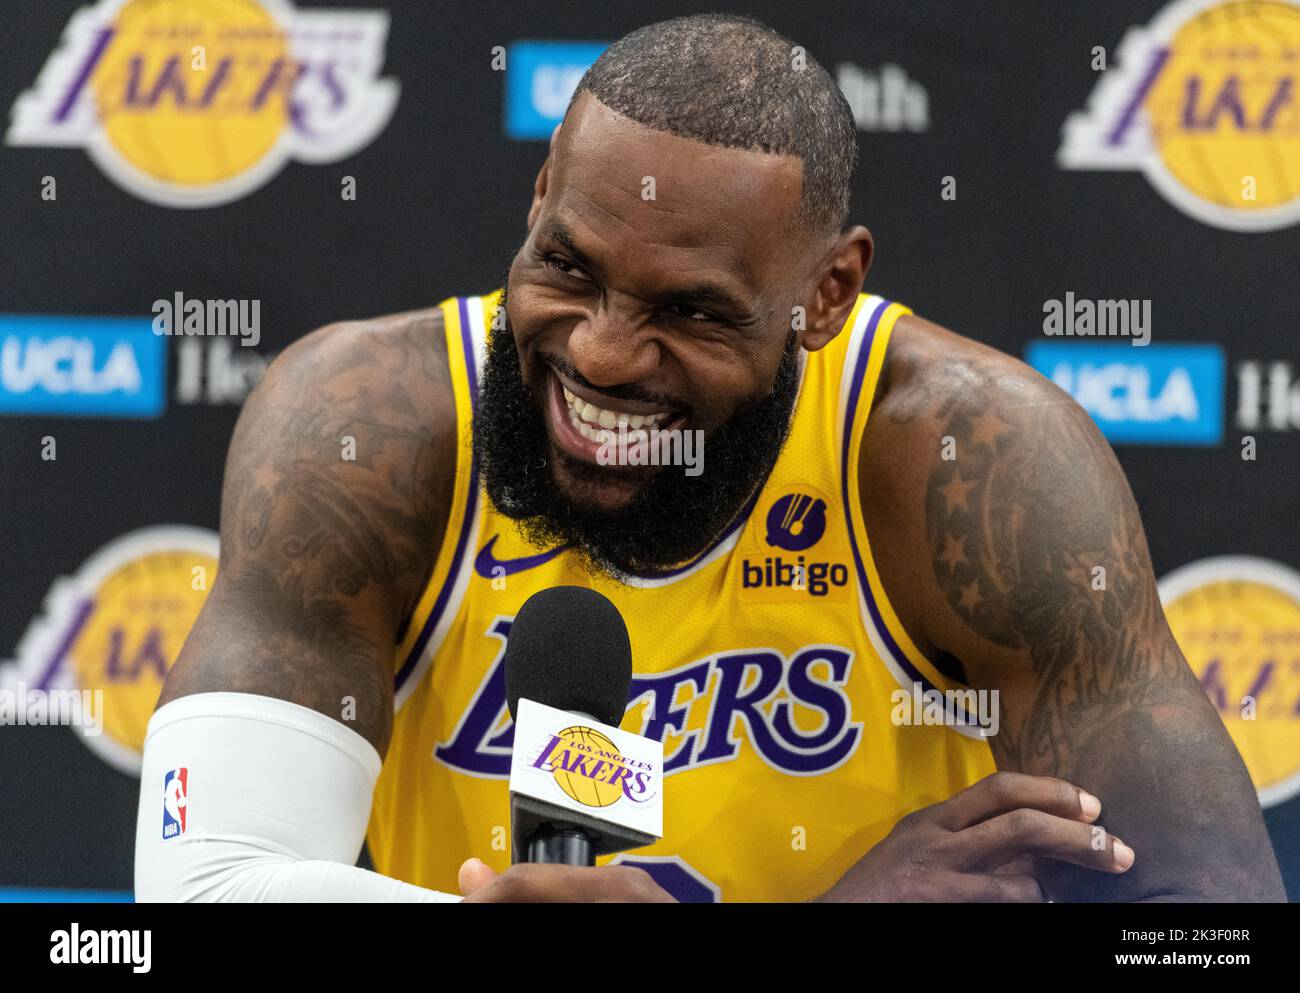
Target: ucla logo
[(540, 78), (81, 366), (1157, 395), (692, 710), (200, 102), (796, 522), (1204, 102)]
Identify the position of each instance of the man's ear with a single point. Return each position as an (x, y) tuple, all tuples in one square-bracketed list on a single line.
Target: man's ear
[(837, 291), (543, 178)]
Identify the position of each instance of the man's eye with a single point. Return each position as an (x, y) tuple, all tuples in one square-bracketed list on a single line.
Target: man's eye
[(564, 266), (693, 314)]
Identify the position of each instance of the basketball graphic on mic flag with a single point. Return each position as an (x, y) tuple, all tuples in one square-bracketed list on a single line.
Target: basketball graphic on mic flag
[(591, 747), (599, 772)]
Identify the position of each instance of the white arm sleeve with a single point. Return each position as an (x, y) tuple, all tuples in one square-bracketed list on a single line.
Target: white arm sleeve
[(249, 798)]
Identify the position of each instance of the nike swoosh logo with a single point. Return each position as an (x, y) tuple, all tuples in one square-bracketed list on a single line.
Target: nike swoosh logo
[(486, 564)]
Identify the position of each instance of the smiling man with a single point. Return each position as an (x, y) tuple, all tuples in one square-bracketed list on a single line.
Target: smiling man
[(884, 509)]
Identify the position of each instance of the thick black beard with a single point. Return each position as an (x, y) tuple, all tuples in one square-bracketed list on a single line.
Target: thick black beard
[(672, 519)]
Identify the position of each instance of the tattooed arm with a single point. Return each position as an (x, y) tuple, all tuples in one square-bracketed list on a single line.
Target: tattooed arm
[(1017, 550), (337, 489)]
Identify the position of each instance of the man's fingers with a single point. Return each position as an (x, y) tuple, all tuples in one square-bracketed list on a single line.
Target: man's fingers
[(596, 884), (1028, 832), (1021, 866), (1004, 792), (548, 883), (997, 889), (961, 887), (474, 875), (639, 885)]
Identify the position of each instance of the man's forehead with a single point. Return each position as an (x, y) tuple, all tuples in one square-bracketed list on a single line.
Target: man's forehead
[(630, 181)]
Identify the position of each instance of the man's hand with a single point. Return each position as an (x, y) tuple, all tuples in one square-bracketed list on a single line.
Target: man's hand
[(527, 883), (980, 845)]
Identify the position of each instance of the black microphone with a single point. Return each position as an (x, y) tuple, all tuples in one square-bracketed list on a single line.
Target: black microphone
[(568, 648)]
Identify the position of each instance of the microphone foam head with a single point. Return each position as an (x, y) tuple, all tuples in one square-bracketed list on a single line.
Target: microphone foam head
[(568, 648)]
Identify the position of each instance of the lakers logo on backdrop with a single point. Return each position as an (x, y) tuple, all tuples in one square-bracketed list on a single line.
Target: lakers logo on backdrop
[(193, 103), (1206, 102), (117, 626), (1237, 619)]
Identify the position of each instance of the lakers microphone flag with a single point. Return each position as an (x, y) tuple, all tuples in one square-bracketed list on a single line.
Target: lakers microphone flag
[(595, 775)]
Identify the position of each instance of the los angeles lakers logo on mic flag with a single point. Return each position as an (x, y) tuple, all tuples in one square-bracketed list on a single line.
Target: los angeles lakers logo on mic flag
[(588, 767)]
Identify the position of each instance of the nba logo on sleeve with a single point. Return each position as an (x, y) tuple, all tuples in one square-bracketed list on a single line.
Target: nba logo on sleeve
[(175, 802)]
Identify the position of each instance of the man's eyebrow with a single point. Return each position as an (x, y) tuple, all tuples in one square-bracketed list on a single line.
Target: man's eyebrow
[(705, 293), (558, 232)]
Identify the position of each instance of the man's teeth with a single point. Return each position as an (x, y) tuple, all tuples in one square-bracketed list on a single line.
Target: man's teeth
[(593, 422)]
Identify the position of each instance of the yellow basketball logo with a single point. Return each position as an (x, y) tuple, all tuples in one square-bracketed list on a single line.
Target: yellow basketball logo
[(1205, 102), (1237, 620), (188, 126), (117, 626), (193, 103), (585, 762)]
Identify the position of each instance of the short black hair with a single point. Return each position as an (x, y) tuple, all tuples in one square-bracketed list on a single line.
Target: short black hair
[(731, 80)]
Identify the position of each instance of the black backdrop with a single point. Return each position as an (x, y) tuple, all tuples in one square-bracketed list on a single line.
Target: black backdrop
[(441, 200)]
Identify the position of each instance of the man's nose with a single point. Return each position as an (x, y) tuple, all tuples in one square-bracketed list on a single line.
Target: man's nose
[(609, 349)]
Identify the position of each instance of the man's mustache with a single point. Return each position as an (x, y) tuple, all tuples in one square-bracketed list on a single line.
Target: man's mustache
[(629, 392)]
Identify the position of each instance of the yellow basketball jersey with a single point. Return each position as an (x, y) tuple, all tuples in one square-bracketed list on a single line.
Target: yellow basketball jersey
[(769, 667)]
